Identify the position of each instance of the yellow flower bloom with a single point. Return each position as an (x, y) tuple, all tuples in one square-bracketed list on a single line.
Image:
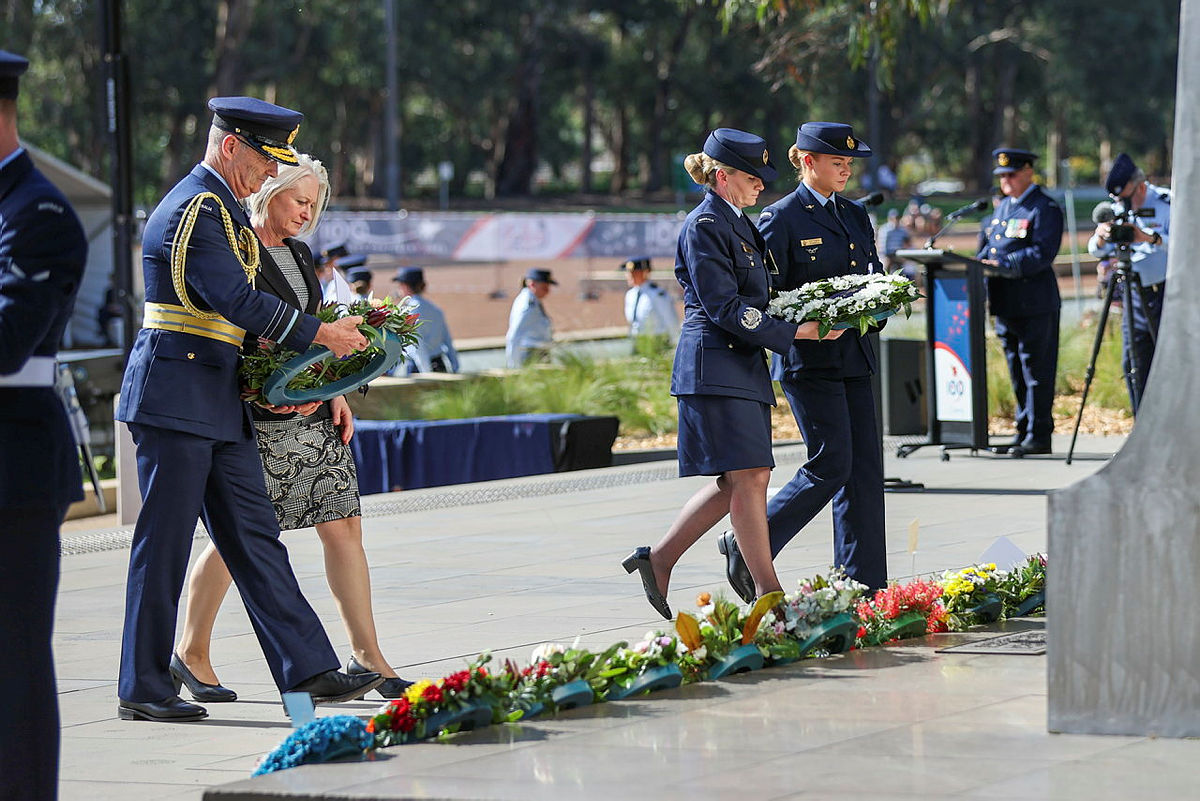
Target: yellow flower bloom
[(413, 693)]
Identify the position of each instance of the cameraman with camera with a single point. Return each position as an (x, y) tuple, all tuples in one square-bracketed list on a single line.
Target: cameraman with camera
[(1135, 227)]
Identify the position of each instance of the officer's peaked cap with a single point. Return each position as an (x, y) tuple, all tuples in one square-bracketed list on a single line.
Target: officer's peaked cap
[(266, 127), (1011, 159)]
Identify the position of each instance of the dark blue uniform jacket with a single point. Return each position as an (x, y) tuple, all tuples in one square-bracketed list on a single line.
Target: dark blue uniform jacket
[(1024, 236), (185, 382), (42, 255), (808, 244), (719, 263)]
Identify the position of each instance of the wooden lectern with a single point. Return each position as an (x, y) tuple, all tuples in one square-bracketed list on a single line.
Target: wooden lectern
[(955, 354)]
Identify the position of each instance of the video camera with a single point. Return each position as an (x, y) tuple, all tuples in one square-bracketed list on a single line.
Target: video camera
[(1122, 229)]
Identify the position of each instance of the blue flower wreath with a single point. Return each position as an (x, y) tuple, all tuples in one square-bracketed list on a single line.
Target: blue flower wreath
[(319, 740)]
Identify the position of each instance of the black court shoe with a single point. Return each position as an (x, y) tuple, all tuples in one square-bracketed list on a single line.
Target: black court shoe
[(391, 688), (639, 560), (205, 693), (735, 567)]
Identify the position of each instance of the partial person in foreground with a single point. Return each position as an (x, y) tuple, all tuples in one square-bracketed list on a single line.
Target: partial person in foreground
[(305, 453), (813, 234), (42, 255), (1019, 243), (720, 375), (196, 453)]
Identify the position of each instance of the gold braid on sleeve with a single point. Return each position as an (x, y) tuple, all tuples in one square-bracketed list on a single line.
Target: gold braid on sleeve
[(242, 239)]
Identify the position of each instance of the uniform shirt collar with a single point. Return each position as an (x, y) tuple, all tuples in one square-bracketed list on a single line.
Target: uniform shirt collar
[(820, 198), (736, 211), (11, 157), (222, 180)]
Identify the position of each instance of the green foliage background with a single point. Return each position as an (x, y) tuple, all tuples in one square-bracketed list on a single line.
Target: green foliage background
[(504, 90)]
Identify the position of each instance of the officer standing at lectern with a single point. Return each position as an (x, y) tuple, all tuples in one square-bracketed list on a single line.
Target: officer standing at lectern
[(42, 256), (196, 453), (1019, 243), (1148, 256)]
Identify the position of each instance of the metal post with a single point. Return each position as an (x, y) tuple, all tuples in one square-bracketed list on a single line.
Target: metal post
[(1068, 183), (391, 132), (116, 113)]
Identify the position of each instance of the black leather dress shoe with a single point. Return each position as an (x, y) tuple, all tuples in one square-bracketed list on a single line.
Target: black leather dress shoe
[(735, 567), (205, 693), (1029, 448), (390, 688), (168, 710), (639, 560), (333, 687)]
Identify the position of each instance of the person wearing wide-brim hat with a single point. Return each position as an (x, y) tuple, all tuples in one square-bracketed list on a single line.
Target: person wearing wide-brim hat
[(720, 377), (1019, 242), (530, 332), (813, 234)]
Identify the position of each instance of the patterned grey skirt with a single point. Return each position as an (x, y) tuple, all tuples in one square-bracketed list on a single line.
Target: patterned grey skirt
[(309, 471)]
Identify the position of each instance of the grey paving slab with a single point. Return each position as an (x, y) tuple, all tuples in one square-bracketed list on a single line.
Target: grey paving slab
[(510, 564)]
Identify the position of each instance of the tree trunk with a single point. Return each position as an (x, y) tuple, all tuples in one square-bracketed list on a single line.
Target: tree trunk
[(589, 121), (659, 165), (514, 176), (234, 18), (620, 151)]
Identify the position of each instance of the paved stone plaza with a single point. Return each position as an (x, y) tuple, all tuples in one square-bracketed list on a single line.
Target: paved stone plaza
[(511, 564)]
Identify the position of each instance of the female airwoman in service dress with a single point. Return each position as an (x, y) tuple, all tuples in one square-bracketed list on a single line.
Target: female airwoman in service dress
[(812, 234), (720, 376)]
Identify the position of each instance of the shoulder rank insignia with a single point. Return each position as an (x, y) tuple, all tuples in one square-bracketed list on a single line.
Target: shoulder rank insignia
[(766, 215), (706, 218), (751, 318)]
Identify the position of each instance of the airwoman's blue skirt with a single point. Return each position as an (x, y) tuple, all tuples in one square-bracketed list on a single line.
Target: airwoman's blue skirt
[(718, 434)]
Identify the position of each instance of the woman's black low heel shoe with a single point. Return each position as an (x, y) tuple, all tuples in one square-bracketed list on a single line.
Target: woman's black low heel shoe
[(639, 560), (205, 693)]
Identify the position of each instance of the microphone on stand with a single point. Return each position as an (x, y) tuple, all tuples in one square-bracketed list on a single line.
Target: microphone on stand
[(870, 201), (953, 217)]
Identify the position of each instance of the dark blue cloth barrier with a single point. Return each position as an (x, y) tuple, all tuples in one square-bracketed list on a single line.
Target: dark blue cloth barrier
[(410, 454)]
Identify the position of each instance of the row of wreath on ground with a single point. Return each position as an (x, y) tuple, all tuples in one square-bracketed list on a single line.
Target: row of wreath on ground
[(824, 616)]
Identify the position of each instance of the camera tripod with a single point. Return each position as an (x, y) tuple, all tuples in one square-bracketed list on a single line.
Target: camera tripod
[(1124, 275)]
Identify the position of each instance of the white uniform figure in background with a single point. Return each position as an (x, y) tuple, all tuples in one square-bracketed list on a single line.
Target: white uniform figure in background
[(530, 333), (649, 308), (434, 351)]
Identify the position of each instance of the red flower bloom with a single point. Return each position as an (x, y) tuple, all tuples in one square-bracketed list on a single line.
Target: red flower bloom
[(433, 693), (455, 682)]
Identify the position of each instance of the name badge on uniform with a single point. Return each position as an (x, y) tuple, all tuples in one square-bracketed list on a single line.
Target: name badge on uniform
[(1017, 229), (808, 242)]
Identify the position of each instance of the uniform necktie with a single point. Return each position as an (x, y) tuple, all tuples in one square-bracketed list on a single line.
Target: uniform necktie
[(832, 206)]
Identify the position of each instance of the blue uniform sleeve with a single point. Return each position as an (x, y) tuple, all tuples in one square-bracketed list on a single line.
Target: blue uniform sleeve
[(711, 266), (42, 256), (214, 274), (1046, 226)]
